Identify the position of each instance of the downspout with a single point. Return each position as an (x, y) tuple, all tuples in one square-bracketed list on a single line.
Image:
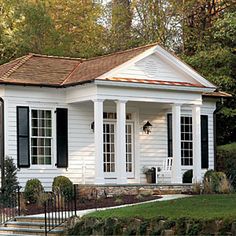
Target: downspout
[(218, 108), (2, 151)]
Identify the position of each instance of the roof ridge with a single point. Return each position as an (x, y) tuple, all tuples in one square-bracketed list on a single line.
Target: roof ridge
[(70, 74), (14, 68), (57, 57), (120, 52)]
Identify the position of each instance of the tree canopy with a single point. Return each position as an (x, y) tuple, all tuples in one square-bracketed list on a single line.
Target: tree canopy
[(202, 32)]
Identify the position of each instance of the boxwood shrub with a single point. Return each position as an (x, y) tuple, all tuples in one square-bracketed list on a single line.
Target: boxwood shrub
[(33, 191), (64, 186)]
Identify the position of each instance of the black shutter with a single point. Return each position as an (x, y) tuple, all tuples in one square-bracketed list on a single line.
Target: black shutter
[(204, 140), (62, 137), (23, 150), (169, 134)]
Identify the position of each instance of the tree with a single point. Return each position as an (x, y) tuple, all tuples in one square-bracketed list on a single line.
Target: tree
[(10, 184), (80, 28), (37, 32), (216, 60)]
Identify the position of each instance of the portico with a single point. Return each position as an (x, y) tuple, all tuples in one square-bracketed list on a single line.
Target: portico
[(177, 109)]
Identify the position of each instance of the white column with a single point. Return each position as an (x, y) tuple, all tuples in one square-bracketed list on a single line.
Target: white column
[(176, 137), (121, 143), (98, 139), (196, 114)]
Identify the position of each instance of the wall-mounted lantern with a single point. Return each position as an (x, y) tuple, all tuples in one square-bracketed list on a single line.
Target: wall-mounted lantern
[(147, 128), (92, 126)]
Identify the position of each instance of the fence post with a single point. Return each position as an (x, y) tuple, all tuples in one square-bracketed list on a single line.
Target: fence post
[(45, 217), (75, 199), (18, 199)]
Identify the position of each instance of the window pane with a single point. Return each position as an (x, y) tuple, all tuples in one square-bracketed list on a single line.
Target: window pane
[(40, 145)]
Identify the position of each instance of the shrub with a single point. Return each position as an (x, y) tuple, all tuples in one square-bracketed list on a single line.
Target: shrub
[(216, 182), (226, 161), (188, 176), (33, 191), (64, 186), (10, 183)]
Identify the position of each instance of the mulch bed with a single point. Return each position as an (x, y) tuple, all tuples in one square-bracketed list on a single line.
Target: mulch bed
[(83, 204)]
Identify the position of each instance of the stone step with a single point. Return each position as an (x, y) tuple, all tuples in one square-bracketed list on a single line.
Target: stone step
[(15, 234), (27, 231), (29, 219), (32, 225)]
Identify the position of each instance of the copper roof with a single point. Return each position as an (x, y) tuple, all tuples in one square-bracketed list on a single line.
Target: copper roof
[(41, 70), (157, 82), (217, 94)]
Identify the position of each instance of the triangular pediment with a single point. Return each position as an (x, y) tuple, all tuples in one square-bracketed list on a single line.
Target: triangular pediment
[(159, 65)]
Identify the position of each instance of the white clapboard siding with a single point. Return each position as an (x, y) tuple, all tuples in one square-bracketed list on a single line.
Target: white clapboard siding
[(81, 138), (154, 68)]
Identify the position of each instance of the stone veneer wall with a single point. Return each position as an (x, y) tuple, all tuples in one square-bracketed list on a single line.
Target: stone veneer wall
[(116, 190)]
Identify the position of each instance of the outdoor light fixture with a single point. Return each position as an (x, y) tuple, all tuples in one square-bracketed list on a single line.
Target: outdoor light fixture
[(147, 128), (92, 126)]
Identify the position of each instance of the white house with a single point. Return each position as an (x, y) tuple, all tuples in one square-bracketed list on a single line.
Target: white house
[(85, 119)]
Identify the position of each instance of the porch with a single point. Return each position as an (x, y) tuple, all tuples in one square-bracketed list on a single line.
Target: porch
[(122, 148)]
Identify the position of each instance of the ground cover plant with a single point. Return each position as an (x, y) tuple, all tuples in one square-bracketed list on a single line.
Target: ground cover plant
[(205, 207)]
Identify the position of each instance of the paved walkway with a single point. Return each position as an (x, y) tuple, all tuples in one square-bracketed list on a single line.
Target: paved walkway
[(85, 212)]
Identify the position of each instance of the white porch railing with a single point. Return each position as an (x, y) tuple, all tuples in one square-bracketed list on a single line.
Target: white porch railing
[(167, 164)]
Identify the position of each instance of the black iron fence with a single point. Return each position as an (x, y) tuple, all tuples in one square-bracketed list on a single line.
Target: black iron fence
[(58, 208), (9, 204)]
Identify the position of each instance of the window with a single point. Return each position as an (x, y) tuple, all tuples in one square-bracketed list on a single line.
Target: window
[(41, 137), (109, 147), (186, 141), (129, 148)]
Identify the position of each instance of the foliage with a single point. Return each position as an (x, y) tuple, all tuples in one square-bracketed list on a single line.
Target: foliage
[(226, 161), (216, 182), (188, 176), (208, 207), (10, 183), (215, 58), (154, 226), (33, 190), (64, 186), (202, 32)]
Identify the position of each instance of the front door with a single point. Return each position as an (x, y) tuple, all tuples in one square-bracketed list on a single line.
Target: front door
[(109, 149)]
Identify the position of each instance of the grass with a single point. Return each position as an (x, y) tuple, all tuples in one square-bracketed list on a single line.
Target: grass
[(197, 207)]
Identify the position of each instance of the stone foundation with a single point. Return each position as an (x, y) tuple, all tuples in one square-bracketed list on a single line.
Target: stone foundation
[(116, 190)]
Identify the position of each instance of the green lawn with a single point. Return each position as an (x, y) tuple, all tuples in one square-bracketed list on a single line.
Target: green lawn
[(198, 207)]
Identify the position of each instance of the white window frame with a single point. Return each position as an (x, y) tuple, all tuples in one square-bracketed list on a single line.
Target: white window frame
[(113, 175), (131, 174), (53, 129), (190, 141), (110, 174)]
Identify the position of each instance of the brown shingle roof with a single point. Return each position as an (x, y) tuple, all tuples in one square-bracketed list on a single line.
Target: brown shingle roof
[(52, 71)]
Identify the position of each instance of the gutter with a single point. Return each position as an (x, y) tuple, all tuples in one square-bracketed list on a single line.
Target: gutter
[(2, 151)]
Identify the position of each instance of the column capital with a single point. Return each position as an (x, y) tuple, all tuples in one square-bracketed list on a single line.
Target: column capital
[(196, 105), (121, 101), (177, 104), (98, 100)]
